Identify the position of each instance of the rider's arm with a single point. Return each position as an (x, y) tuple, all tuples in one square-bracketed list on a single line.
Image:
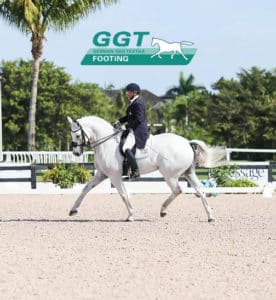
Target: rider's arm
[(123, 119)]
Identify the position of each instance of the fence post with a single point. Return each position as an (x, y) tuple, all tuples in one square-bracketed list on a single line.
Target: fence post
[(33, 177), (270, 171)]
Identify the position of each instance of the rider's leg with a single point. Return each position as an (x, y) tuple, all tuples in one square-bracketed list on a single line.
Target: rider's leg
[(133, 164), (129, 143)]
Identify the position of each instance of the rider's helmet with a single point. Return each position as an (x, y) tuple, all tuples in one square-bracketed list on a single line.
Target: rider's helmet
[(133, 87)]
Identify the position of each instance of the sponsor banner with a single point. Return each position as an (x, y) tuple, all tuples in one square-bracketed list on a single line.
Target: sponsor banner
[(115, 50)]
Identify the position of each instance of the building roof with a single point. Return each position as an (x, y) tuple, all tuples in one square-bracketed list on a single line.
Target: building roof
[(148, 96)]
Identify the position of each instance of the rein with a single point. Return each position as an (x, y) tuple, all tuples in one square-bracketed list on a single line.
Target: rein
[(95, 143), (103, 139)]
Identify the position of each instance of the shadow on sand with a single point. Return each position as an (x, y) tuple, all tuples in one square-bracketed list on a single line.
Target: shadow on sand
[(70, 220)]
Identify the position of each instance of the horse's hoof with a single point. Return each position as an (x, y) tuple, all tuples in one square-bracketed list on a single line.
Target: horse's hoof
[(73, 212), (130, 219), (211, 220), (163, 214)]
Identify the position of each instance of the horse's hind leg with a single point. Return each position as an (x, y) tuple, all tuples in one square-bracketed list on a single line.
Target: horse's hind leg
[(195, 183), (183, 55), (176, 190), (99, 177)]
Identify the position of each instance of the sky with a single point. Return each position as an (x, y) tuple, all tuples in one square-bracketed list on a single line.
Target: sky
[(229, 36)]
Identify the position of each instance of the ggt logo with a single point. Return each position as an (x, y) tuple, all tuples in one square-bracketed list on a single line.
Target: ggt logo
[(120, 39), (118, 49)]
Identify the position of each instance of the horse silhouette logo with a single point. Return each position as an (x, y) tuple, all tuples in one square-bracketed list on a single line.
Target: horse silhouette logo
[(165, 47)]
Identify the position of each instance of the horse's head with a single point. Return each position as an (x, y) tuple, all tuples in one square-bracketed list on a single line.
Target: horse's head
[(79, 137), (153, 42), (89, 131)]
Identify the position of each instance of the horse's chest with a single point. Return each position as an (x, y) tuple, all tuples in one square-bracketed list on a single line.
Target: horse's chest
[(106, 164)]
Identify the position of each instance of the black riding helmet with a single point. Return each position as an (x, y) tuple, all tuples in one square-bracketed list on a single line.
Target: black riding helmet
[(133, 87)]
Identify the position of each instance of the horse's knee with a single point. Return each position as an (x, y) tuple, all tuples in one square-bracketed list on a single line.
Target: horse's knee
[(178, 190)]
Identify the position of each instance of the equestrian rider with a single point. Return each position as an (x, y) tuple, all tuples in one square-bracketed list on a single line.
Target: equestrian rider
[(136, 125)]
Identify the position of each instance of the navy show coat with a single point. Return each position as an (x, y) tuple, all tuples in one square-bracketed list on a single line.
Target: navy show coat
[(137, 121)]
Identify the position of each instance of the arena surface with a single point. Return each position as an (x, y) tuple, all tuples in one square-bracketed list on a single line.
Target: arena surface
[(45, 254)]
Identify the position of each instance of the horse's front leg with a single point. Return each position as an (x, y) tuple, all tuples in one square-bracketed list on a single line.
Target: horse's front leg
[(98, 178), (172, 55), (119, 185)]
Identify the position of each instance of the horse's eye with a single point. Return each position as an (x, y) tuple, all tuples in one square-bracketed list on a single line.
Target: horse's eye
[(78, 136)]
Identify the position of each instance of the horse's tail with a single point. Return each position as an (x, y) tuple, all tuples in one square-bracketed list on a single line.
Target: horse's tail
[(186, 43), (208, 157)]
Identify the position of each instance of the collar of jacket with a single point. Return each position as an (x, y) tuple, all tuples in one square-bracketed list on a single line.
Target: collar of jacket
[(133, 99)]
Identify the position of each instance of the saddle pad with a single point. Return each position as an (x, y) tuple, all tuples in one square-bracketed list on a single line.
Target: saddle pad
[(143, 153)]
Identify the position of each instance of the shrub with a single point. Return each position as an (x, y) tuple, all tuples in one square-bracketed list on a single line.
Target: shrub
[(222, 175), (67, 175), (241, 183)]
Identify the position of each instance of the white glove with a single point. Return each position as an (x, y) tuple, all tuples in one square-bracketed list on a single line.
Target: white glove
[(116, 124)]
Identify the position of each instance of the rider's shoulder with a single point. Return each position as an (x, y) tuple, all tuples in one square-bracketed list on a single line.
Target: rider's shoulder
[(140, 99)]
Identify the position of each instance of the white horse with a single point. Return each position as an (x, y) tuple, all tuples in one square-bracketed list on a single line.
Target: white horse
[(171, 154), (174, 47)]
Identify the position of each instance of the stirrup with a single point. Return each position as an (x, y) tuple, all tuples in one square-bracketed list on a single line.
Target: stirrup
[(135, 174)]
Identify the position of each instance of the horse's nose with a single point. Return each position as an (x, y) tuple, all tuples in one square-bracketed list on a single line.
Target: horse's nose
[(77, 153)]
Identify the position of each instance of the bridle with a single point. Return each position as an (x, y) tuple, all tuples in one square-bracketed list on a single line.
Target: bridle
[(88, 143), (83, 135)]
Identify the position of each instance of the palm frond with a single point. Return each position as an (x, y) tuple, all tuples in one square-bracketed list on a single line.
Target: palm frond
[(36, 16), (62, 14)]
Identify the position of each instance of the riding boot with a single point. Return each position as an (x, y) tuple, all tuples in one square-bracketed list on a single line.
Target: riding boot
[(133, 164)]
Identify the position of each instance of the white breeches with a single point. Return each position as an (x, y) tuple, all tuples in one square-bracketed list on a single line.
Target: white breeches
[(130, 141)]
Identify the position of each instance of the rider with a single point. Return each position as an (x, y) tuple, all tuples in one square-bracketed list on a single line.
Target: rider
[(136, 125)]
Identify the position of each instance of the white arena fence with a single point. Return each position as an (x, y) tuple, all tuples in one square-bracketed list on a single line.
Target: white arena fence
[(52, 157), (261, 173), (246, 150), (46, 157)]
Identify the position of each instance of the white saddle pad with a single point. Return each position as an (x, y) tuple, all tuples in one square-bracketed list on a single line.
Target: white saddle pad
[(143, 153)]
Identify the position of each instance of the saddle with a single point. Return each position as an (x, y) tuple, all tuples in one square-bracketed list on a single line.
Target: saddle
[(138, 153)]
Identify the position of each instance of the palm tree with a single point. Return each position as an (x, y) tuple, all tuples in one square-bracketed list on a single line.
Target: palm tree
[(185, 86), (34, 17), (184, 89)]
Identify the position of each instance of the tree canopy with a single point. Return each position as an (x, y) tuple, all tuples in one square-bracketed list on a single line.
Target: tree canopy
[(34, 17), (57, 98), (238, 112)]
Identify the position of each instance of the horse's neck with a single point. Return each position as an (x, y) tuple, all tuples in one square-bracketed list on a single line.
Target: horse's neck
[(161, 43), (100, 133), (105, 152), (99, 130), (98, 127)]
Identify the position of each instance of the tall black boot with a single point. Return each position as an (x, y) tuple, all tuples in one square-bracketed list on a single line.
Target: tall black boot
[(133, 164)]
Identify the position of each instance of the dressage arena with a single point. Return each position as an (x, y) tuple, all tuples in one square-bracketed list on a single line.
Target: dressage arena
[(45, 254)]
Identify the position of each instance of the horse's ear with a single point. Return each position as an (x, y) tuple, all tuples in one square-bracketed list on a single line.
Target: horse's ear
[(70, 120)]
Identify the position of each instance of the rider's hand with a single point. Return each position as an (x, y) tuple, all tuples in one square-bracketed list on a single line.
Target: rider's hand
[(116, 124)]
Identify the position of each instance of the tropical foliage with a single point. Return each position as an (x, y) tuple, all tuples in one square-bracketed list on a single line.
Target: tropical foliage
[(34, 18), (57, 98), (236, 113), (185, 86)]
